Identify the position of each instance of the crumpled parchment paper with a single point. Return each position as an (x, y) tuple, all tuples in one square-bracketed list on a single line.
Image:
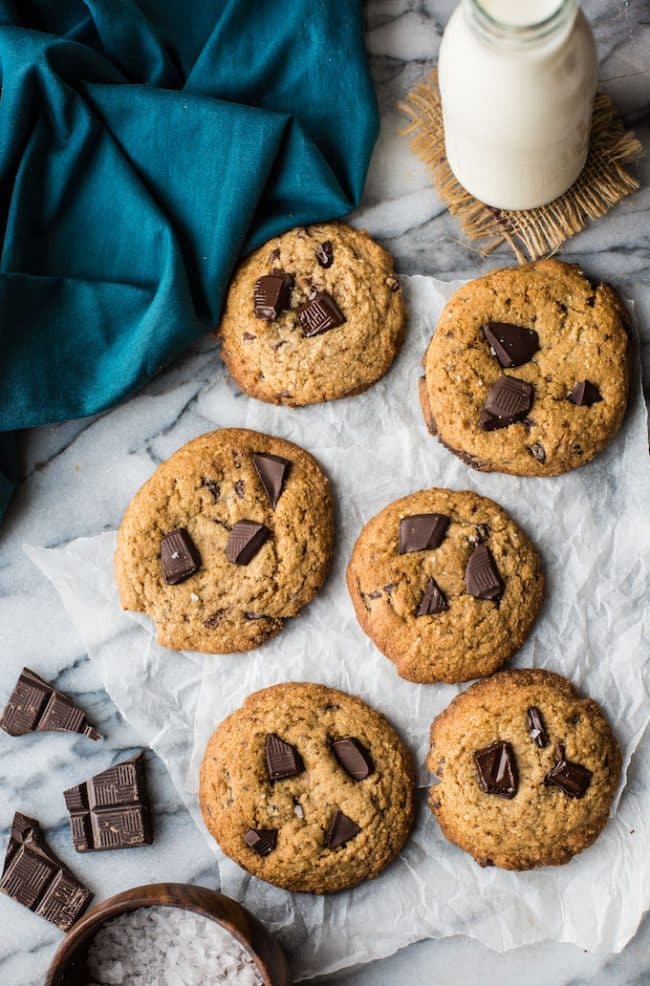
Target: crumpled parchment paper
[(591, 527)]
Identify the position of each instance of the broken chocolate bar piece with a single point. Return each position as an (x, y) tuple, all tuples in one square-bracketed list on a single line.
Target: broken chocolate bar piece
[(111, 810), (34, 706), (34, 877)]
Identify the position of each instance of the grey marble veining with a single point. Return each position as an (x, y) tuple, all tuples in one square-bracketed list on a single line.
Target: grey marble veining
[(69, 490)]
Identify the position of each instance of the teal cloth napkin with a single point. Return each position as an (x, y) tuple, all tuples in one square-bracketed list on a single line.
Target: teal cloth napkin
[(144, 146)]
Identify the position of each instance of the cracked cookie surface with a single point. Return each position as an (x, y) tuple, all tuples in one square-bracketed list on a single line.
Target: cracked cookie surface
[(205, 489), (237, 794), (582, 334), (273, 359), (545, 823), (470, 637)]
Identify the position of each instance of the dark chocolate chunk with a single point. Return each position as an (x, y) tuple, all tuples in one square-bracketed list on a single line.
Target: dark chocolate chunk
[(421, 531), (537, 451), (272, 294), (341, 830), (482, 579), (512, 345), (325, 254), (353, 757), (272, 470), (572, 778), (240, 487), (433, 600), (320, 314), (34, 706), (111, 810), (36, 878), (262, 841), (536, 727), (282, 759), (213, 486), (496, 769), (584, 394), (179, 556), (245, 540), (509, 400)]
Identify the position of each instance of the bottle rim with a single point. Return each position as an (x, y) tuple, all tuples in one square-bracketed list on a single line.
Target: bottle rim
[(523, 34)]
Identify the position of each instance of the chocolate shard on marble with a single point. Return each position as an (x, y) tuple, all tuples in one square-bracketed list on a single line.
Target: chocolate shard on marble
[(179, 556), (111, 810), (245, 540), (536, 727), (271, 295), (320, 314), (482, 579), (353, 757), (432, 601), (512, 345), (496, 769), (34, 877), (584, 394), (340, 831), (325, 253), (272, 470), (261, 841), (421, 531), (35, 706), (572, 778), (282, 759), (509, 401)]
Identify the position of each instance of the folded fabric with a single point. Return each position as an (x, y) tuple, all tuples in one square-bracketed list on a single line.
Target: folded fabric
[(144, 145)]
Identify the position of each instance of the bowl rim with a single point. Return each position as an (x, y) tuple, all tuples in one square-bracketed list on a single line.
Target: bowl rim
[(207, 903)]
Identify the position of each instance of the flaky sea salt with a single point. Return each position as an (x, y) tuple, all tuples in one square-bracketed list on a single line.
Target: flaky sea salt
[(166, 946)]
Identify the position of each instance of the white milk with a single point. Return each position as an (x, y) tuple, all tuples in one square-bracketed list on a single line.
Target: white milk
[(520, 13), (517, 82)]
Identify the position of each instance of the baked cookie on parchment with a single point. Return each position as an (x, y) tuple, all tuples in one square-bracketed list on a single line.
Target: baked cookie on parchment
[(446, 584), (229, 538), (528, 370), (308, 788), (526, 768), (315, 314)]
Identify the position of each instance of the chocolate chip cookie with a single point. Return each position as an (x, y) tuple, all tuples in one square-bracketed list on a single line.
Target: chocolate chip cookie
[(308, 788), (528, 370), (446, 584), (313, 315), (229, 538), (527, 770)]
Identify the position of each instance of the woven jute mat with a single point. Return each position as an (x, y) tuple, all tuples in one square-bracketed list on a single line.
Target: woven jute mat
[(530, 233)]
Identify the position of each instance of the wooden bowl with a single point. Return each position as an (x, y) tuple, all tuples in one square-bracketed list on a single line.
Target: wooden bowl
[(68, 967)]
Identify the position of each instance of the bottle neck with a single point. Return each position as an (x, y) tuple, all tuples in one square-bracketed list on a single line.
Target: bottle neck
[(517, 25)]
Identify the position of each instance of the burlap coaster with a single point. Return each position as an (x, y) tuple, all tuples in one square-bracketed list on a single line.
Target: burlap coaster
[(530, 233)]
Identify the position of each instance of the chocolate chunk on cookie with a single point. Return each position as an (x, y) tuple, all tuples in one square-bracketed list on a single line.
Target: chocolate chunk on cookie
[(308, 788), (515, 802), (463, 595), (229, 538)]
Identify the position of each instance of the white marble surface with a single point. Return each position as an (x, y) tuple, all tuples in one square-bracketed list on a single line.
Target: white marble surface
[(69, 490)]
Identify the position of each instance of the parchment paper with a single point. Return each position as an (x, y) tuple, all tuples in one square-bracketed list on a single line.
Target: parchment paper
[(592, 530)]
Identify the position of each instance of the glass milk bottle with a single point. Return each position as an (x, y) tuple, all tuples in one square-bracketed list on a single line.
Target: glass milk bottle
[(517, 82)]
